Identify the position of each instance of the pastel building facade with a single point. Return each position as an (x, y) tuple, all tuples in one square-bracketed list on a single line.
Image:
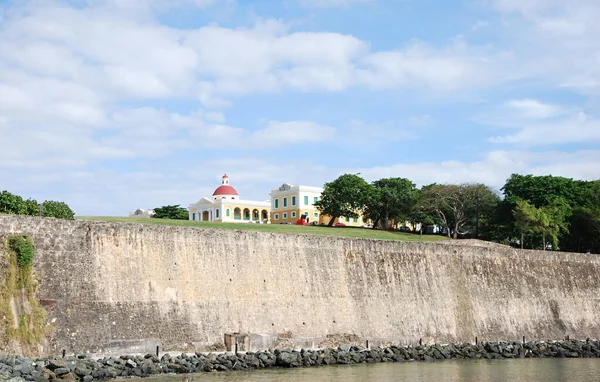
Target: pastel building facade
[(226, 206), (289, 203)]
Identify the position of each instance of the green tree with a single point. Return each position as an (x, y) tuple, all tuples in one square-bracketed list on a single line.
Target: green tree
[(566, 202), (584, 232), (584, 222), (12, 204), (171, 212), (541, 190), (392, 198), (526, 219), (455, 204), (346, 196), (435, 200), (481, 205), (58, 210), (549, 220), (553, 221), (32, 207)]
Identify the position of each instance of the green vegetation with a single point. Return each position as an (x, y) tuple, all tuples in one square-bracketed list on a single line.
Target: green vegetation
[(546, 212), (364, 233), (171, 212), (23, 247), (538, 212), (345, 196), (15, 205), (56, 209), (456, 205), (538, 208), (19, 286), (392, 199)]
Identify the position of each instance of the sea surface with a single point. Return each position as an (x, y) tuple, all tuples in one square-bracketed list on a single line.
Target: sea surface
[(514, 370)]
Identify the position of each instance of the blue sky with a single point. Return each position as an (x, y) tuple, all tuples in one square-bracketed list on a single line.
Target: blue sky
[(113, 105)]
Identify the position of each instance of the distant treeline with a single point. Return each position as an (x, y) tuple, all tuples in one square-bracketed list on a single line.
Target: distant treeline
[(16, 205), (540, 212)]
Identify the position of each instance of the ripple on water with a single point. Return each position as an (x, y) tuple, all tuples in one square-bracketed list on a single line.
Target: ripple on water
[(515, 370)]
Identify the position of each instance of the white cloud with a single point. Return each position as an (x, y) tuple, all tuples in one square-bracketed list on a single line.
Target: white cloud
[(494, 168), (418, 65), (272, 61), (527, 7), (117, 54), (534, 109), (333, 3), (371, 136), (577, 127), (160, 5), (556, 41), (82, 86), (294, 132), (533, 123), (76, 66)]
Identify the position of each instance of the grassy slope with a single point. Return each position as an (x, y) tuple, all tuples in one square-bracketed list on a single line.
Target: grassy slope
[(280, 228)]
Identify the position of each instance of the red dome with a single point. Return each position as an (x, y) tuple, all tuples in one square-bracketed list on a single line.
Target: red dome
[(225, 190)]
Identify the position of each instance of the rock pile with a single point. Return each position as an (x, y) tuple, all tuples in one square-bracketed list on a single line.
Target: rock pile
[(83, 368)]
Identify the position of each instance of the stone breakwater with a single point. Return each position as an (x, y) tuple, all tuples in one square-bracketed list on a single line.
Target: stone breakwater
[(84, 368)]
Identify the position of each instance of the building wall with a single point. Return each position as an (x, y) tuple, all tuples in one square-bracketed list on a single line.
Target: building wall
[(128, 287), (293, 212), (222, 207)]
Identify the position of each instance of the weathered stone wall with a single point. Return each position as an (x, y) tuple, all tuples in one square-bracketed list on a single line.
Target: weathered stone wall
[(131, 287)]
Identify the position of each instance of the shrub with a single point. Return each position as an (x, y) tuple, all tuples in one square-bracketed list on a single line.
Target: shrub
[(16, 205), (32, 207), (59, 210), (23, 247), (12, 204)]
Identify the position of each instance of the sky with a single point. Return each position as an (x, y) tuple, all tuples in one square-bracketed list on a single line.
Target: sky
[(114, 105)]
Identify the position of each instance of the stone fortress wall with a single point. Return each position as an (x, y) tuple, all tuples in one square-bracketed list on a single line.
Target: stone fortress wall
[(116, 287)]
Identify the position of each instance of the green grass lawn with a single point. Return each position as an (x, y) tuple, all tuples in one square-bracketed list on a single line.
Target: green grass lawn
[(365, 233)]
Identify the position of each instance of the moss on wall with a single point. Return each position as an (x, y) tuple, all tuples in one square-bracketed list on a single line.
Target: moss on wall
[(22, 318)]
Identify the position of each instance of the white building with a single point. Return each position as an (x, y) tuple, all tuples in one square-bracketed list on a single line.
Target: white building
[(140, 213), (225, 205)]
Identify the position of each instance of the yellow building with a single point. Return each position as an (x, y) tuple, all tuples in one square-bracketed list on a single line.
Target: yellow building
[(289, 203), (226, 206)]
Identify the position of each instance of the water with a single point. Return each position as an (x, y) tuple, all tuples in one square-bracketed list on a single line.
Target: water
[(516, 370)]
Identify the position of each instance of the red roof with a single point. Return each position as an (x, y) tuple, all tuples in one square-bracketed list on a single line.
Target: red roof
[(225, 190)]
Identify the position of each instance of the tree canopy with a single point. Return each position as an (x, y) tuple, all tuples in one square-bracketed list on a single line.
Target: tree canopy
[(16, 205), (391, 198), (346, 196), (568, 212), (535, 211), (456, 204), (56, 209), (171, 212)]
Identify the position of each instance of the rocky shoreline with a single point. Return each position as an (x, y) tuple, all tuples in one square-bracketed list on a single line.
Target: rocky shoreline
[(84, 368)]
